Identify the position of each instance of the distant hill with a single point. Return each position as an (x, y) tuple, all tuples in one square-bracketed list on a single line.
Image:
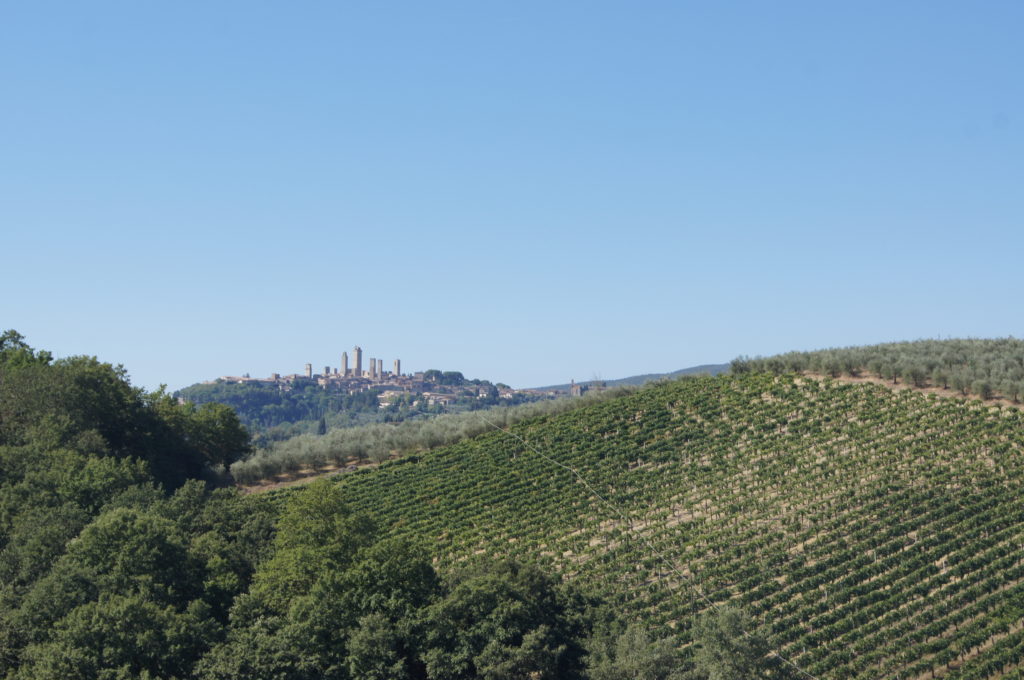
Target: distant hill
[(874, 533), (277, 409), (709, 369)]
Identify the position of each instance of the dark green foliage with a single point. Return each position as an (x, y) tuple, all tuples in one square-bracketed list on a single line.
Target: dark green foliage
[(503, 621), (632, 655), (326, 575), (124, 552), (102, 574), (261, 649), (728, 647), (15, 352), (376, 650), (122, 636), (37, 538), (143, 588), (334, 602), (262, 407), (212, 430), (316, 536), (36, 478), (453, 378), (85, 406)]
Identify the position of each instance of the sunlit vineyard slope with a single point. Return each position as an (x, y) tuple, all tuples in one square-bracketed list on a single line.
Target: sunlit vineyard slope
[(875, 533)]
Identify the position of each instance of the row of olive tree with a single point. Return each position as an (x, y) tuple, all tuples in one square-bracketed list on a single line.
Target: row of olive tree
[(379, 441), (984, 368)]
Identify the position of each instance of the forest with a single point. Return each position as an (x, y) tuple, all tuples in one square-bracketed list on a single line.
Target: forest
[(124, 554)]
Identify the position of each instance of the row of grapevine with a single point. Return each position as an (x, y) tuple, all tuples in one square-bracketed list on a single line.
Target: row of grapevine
[(875, 533)]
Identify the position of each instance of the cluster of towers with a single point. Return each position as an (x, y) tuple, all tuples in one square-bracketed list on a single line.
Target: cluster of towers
[(375, 370)]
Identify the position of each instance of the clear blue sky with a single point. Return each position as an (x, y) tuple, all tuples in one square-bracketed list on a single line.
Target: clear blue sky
[(527, 191)]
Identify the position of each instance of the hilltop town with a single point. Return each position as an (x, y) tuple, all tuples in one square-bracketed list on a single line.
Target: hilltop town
[(433, 386)]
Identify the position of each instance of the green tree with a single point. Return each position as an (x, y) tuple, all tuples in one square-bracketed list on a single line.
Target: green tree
[(82, 404), (14, 351), (503, 621), (376, 650), (123, 551), (914, 375), (263, 648), (317, 534), (632, 655), (38, 537), (729, 647), (982, 388), (122, 637)]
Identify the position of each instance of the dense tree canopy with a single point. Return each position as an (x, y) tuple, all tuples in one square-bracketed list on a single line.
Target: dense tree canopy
[(82, 405)]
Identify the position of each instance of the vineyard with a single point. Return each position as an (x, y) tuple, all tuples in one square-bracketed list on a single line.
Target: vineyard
[(873, 533)]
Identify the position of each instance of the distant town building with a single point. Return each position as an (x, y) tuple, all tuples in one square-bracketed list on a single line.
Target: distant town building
[(351, 379), (438, 398), (388, 397)]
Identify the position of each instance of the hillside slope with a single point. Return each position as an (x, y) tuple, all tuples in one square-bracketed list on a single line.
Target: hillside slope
[(876, 533), (709, 369), (984, 368)]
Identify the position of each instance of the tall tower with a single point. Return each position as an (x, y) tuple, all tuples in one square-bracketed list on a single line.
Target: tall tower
[(327, 371), (344, 364), (380, 369), (357, 352), (309, 370), (398, 367), (373, 368)]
